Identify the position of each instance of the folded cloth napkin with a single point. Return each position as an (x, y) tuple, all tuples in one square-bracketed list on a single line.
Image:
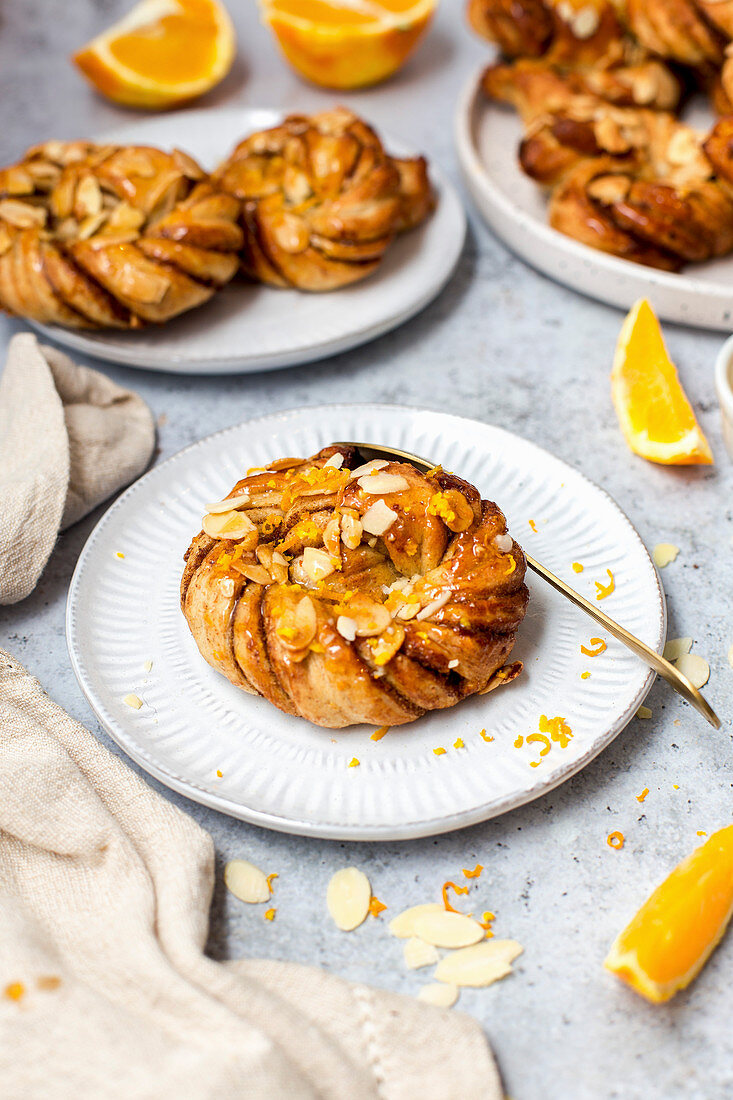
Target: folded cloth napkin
[(69, 438), (104, 988)]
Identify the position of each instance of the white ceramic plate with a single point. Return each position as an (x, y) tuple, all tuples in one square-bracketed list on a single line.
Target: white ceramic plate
[(487, 137), (287, 774), (249, 328)]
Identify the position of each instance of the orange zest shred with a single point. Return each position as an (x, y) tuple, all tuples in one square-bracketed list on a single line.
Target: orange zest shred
[(642, 796), (603, 590), (558, 729), (456, 889), (270, 914), (512, 565), (476, 871), (353, 763), (379, 734), (376, 906), (485, 736), (615, 840), (219, 773), (486, 923), (701, 832), (459, 743), (577, 567), (519, 742), (540, 738), (533, 525), (439, 752), (269, 879), (600, 647), (14, 991), (585, 675)]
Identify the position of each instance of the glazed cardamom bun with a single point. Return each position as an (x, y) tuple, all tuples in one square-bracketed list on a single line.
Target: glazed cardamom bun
[(111, 236), (348, 593)]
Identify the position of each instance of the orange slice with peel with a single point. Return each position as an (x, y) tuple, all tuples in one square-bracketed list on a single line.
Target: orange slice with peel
[(162, 53), (347, 43), (674, 933), (655, 416)]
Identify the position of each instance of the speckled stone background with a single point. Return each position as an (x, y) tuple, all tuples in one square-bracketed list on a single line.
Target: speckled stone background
[(509, 347)]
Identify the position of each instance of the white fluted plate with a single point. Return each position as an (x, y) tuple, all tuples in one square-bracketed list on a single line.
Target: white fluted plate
[(487, 137), (283, 772), (248, 327)]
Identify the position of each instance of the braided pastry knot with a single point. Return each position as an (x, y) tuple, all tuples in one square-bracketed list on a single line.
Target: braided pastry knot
[(322, 200), (348, 595), (118, 236)]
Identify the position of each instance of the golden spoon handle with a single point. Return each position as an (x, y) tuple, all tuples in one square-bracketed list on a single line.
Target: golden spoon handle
[(672, 675)]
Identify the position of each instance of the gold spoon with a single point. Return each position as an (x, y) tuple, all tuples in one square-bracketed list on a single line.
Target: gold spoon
[(660, 665)]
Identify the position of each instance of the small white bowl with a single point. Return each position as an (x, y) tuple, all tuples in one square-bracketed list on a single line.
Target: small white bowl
[(724, 387)]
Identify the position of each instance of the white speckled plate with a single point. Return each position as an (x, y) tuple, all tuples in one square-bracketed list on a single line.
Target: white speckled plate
[(249, 327), (487, 137), (287, 774)]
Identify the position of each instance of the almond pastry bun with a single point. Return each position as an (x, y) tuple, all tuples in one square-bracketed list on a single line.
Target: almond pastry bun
[(347, 592), (322, 200), (111, 236)]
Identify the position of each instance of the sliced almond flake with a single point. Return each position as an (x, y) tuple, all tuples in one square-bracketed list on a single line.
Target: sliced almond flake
[(133, 701), (246, 882), (445, 929), (434, 606), (374, 464), (227, 586), (336, 461), (317, 564), (408, 611), (439, 994), (241, 500), (730, 656), (644, 712), (503, 543), (694, 667), (148, 666), (351, 530), (453, 663), (228, 525), (378, 518), (664, 553), (377, 484), (348, 897), (403, 925), (676, 647), (346, 627), (479, 965), (418, 953)]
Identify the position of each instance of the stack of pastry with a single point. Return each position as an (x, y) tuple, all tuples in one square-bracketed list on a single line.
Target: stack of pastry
[(347, 592), (599, 100), (123, 236)]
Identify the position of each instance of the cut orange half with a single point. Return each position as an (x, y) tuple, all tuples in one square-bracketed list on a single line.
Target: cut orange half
[(347, 43), (655, 416), (164, 52), (674, 933)]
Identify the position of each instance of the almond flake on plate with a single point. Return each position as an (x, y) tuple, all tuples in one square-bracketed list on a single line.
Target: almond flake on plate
[(418, 953), (664, 553), (346, 627), (403, 925), (730, 656), (446, 929), (336, 461), (694, 667), (676, 647), (480, 965), (348, 897), (439, 994), (133, 701), (373, 464), (644, 712), (378, 518), (378, 483), (228, 505), (317, 564), (246, 882), (434, 606)]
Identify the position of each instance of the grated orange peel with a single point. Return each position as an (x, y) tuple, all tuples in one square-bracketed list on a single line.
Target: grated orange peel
[(347, 44), (654, 413), (161, 54), (674, 933)]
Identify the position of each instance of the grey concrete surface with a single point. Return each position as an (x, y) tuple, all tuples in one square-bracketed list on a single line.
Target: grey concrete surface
[(507, 346)]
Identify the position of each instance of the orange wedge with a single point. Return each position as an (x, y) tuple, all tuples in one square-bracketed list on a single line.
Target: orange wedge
[(347, 43), (674, 933), (164, 52), (653, 411)]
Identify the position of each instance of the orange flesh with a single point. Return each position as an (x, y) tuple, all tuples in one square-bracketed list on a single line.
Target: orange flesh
[(656, 401), (340, 14), (174, 48)]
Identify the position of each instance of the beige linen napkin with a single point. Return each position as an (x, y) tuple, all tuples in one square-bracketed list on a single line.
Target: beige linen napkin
[(104, 988), (69, 438)]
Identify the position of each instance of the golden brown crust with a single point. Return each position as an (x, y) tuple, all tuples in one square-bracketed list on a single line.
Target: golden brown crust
[(111, 236), (321, 200), (307, 605)]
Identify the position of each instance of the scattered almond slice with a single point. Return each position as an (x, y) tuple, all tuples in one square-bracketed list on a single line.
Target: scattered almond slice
[(133, 701), (730, 656), (228, 505), (479, 965), (346, 627), (446, 929), (378, 518), (148, 666), (644, 712), (418, 953), (403, 925), (246, 882), (439, 994), (348, 898), (694, 667), (376, 483), (676, 647), (664, 553), (373, 464)]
